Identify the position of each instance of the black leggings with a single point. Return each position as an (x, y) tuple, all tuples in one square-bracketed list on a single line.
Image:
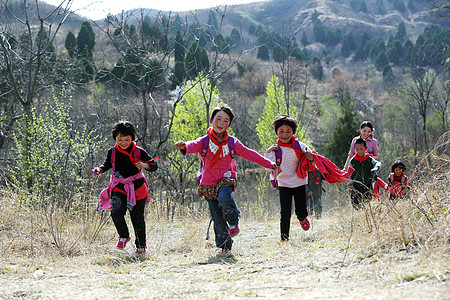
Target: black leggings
[(301, 211), (118, 210)]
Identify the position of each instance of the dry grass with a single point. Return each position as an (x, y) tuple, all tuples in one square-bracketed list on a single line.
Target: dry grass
[(390, 250)]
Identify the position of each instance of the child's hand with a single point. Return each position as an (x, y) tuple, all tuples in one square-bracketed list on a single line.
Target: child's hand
[(374, 169), (309, 156), (97, 171), (140, 165), (272, 148), (181, 145), (274, 167)]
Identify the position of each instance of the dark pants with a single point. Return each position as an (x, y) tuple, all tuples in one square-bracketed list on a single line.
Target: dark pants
[(315, 205), (223, 213), (301, 211), (118, 210), (360, 194)]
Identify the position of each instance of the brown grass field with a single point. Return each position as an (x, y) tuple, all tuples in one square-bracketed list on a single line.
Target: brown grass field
[(387, 251)]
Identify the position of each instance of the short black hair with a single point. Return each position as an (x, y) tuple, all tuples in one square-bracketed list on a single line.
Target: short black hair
[(398, 164), (361, 141), (225, 108), (366, 124), (123, 128), (281, 120)]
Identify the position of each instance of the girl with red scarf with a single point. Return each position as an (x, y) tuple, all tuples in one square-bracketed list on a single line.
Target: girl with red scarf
[(128, 186), (289, 183), (218, 178)]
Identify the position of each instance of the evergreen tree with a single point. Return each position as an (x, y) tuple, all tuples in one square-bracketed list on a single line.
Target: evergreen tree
[(252, 29), (374, 51), (345, 49), (393, 55), (315, 16), (398, 46), (401, 30), (86, 40), (364, 39), (235, 38), (263, 52), (360, 54), (178, 75), (71, 44), (381, 45), (319, 32), (347, 127), (351, 41), (279, 54), (297, 54), (212, 22), (304, 39), (316, 69), (179, 48), (399, 5), (381, 60), (363, 6), (411, 6), (387, 72), (354, 4), (196, 61)]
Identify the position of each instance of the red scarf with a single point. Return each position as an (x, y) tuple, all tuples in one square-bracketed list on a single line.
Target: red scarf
[(218, 142), (362, 157), (291, 145), (133, 160)]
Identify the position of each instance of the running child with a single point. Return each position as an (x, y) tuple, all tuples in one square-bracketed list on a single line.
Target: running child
[(288, 182), (398, 181), (128, 188), (364, 166), (366, 132), (218, 174)]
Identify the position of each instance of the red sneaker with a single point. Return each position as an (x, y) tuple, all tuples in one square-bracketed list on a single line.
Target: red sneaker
[(233, 230), (305, 224), (122, 243), (226, 251), (141, 251)]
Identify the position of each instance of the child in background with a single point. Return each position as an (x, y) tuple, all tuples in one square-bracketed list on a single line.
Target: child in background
[(128, 186), (363, 176), (289, 183), (366, 133), (398, 181), (314, 192), (218, 175)]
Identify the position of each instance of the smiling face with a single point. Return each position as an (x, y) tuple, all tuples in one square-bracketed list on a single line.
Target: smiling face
[(398, 171), (365, 132), (124, 141), (220, 123), (285, 133), (360, 149)]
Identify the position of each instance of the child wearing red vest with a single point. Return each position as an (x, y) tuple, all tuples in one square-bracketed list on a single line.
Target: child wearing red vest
[(398, 181), (218, 174), (128, 188), (288, 182)]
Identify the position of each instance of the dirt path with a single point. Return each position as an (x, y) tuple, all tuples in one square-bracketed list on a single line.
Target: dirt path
[(183, 265)]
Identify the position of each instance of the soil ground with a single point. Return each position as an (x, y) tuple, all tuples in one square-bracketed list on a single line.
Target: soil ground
[(181, 264)]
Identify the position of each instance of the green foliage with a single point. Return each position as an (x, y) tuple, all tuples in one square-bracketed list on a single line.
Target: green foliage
[(52, 156), (178, 75), (263, 53), (399, 5), (381, 60), (275, 104), (235, 38), (345, 49), (345, 130), (279, 54), (84, 71), (316, 69), (314, 17), (252, 29), (71, 44), (213, 23), (360, 54), (191, 116), (401, 30)]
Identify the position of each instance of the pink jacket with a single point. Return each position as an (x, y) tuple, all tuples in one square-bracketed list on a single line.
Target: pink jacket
[(372, 146), (224, 166), (105, 195)]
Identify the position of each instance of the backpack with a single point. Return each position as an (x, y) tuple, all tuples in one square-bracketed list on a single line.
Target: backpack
[(278, 159), (136, 154), (205, 146), (402, 180)]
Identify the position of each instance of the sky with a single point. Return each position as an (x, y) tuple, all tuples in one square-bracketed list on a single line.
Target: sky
[(98, 9)]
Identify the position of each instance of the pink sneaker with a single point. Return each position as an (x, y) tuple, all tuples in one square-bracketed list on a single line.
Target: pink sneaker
[(141, 251), (122, 242), (305, 224), (233, 230)]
